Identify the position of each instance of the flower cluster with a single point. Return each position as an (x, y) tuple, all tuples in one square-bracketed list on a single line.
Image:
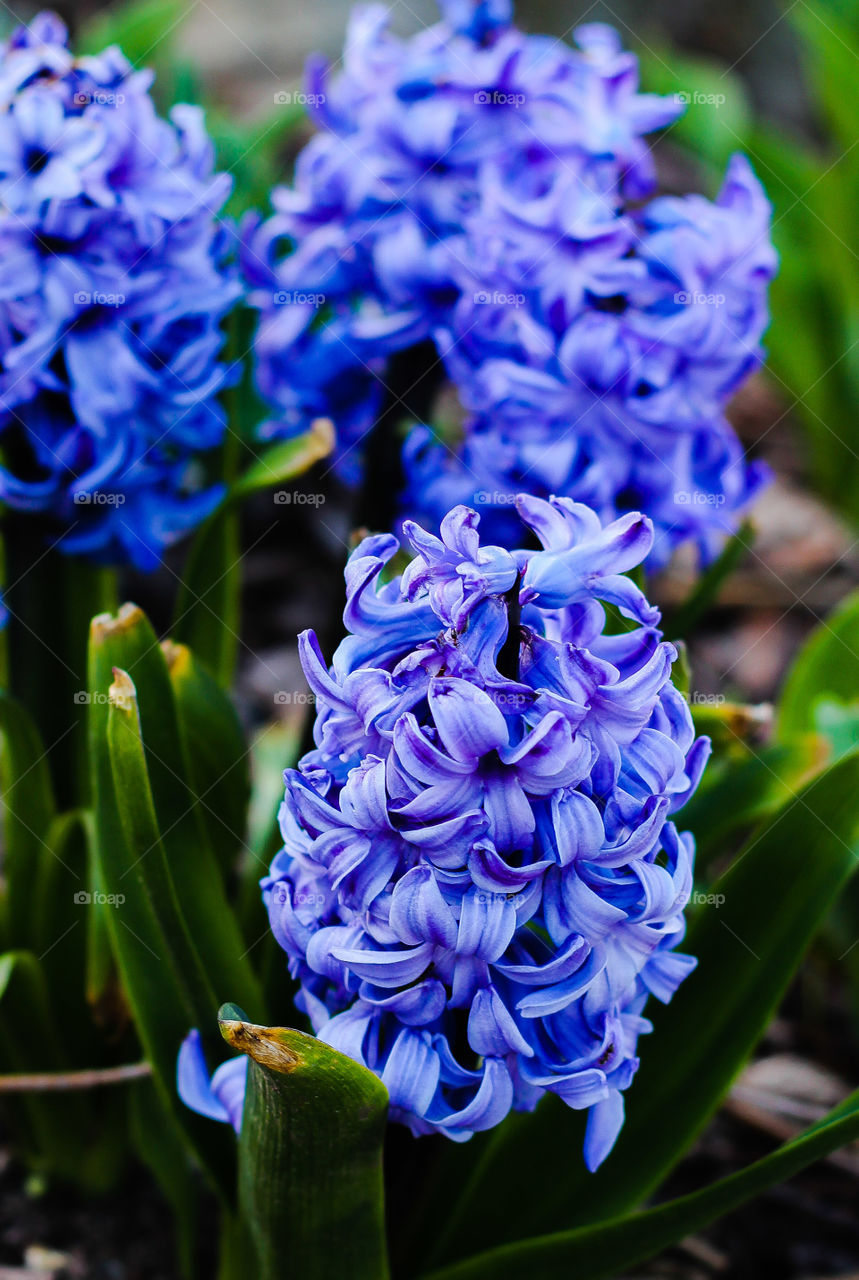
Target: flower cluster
[(481, 884), (485, 190), (112, 292)]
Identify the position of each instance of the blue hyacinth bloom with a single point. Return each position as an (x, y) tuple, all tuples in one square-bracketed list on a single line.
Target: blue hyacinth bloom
[(492, 193), (481, 883), (114, 284)]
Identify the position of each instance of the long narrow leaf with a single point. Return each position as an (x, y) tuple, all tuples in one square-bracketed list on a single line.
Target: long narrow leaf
[(161, 1012), (216, 752), (598, 1253), (770, 902), (130, 643), (149, 865), (827, 668)]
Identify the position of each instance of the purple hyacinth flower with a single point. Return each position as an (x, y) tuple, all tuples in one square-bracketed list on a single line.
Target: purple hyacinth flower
[(481, 883), (492, 194), (114, 283)]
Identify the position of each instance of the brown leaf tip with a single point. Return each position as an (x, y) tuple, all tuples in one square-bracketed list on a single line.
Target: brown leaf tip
[(263, 1044)]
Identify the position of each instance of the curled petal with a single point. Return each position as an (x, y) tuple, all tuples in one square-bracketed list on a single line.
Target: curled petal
[(490, 1104), (469, 723), (419, 913)]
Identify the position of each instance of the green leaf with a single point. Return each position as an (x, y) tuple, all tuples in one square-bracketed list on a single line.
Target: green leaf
[(310, 1156), (830, 46), (101, 977), (608, 1249), (826, 670), (149, 866), (734, 794), (838, 725), (286, 459), (208, 606), (179, 807), (162, 1015), (275, 748), (216, 751), (28, 811), (65, 912), (766, 907)]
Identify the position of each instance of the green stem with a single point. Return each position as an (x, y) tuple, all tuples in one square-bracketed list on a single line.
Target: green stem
[(310, 1156)]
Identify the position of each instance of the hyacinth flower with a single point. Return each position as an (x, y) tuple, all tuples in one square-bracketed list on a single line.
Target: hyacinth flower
[(114, 287), (481, 883), (491, 193)]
